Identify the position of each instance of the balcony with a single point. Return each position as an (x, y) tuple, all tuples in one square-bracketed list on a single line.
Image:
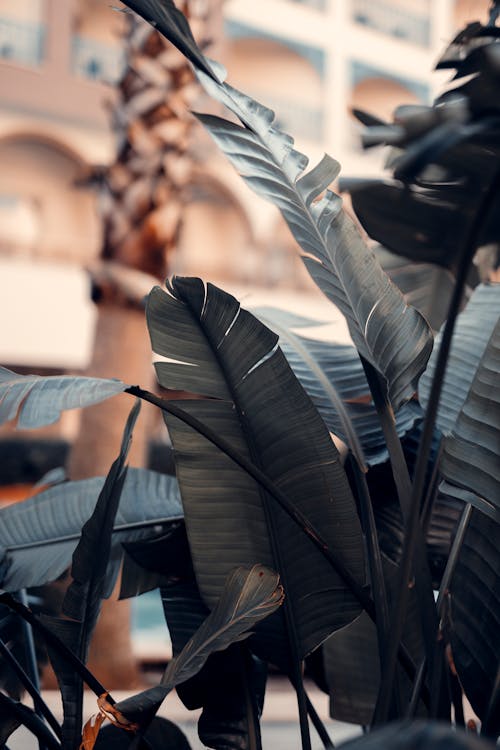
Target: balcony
[(21, 42), (96, 61), (393, 20)]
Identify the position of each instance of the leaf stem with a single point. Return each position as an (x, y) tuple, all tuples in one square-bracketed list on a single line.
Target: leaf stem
[(27, 615), (39, 704), (423, 580), (443, 589), (318, 725), (30, 720)]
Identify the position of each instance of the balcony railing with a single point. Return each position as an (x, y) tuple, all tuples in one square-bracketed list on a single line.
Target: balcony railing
[(97, 61), (393, 20), (21, 42)]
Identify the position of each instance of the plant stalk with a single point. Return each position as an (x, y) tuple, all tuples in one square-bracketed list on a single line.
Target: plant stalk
[(41, 708), (319, 726), (423, 580), (412, 530), (377, 579), (443, 589)]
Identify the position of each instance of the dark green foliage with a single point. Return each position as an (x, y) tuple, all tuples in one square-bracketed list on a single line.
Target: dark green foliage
[(474, 610), (257, 396), (262, 483)]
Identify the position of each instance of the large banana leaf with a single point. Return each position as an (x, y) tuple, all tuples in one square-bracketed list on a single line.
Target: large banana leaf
[(472, 332), (39, 535), (471, 454), (394, 338), (248, 596), (224, 352), (40, 400), (333, 376), (475, 611)]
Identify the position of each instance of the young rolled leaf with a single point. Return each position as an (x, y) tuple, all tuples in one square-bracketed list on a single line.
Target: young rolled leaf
[(250, 595), (82, 602), (91, 556), (40, 400), (472, 333), (471, 454), (39, 535), (335, 254), (223, 351)]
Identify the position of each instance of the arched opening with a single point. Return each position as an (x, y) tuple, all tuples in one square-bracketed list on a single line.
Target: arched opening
[(280, 78), (43, 214), (216, 239), (380, 96)]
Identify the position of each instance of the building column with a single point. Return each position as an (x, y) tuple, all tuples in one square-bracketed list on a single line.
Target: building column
[(59, 23)]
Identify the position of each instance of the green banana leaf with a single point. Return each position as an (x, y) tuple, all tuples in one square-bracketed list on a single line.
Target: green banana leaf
[(472, 332), (257, 404), (40, 400), (338, 260), (471, 454), (475, 612), (39, 535)]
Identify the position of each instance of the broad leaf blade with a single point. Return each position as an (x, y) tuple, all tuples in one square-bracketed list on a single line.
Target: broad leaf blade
[(248, 596), (472, 332), (39, 535), (338, 260), (475, 611), (270, 419), (471, 454), (40, 400)]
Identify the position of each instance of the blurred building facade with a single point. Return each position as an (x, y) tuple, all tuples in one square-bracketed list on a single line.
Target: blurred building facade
[(309, 60)]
